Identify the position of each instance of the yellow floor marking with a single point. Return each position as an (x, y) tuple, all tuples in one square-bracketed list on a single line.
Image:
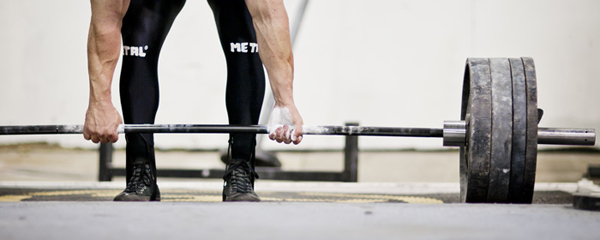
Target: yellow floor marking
[(407, 199), (192, 191), (215, 196), (360, 200), (268, 199), (94, 193), (76, 192), (13, 198), (191, 198), (106, 194)]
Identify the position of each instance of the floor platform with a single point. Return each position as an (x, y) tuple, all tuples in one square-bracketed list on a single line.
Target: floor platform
[(271, 191)]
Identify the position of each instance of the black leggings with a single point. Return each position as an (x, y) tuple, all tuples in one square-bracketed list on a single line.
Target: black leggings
[(145, 27)]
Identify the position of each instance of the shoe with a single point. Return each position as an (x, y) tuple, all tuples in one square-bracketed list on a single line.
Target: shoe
[(142, 185), (239, 182)]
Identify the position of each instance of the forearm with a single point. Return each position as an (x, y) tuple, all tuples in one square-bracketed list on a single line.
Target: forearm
[(104, 47), (101, 66), (274, 46), (273, 36)]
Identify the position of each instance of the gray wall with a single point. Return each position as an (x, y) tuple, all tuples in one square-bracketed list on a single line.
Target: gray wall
[(379, 62)]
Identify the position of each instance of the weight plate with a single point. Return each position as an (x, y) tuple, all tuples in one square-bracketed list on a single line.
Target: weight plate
[(532, 131), (476, 111), (587, 201), (519, 98), (502, 130)]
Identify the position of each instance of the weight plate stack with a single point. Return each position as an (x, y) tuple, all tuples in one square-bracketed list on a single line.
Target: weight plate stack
[(499, 106)]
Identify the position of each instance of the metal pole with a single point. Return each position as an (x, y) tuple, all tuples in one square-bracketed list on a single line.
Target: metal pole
[(209, 128), (105, 162), (567, 136), (351, 157), (562, 136)]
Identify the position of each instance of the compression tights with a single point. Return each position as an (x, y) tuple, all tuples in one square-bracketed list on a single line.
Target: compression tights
[(145, 27)]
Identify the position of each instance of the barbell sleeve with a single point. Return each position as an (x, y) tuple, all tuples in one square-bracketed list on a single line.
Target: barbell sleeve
[(455, 135), (567, 136)]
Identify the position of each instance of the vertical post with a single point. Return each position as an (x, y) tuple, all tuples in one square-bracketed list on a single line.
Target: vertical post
[(106, 155), (351, 157), (593, 171)]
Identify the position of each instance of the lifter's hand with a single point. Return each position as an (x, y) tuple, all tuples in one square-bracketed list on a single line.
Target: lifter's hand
[(285, 125), (101, 123)]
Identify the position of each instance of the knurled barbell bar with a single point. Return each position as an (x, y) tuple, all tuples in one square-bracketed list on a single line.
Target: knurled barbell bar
[(453, 133), (498, 132)]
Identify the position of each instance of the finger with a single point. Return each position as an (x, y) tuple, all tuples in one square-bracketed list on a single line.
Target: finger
[(87, 136), (298, 135), (279, 134), (273, 132), (287, 130), (113, 135), (113, 138), (103, 138), (95, 139), (298, 140), (287, 134)]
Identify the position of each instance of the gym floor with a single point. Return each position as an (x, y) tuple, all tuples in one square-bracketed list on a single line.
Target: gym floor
[(399, 195)]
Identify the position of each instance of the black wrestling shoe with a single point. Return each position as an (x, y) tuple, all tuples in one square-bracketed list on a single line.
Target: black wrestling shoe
[(142, 185), (239, 182)]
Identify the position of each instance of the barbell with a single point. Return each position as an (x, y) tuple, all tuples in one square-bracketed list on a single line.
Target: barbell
[(497, 132), (453, 133)]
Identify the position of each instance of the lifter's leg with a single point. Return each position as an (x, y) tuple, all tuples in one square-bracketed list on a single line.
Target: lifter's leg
[(144, 30), (244, 96)]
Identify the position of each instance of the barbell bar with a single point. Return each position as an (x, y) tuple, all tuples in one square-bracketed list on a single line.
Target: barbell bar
[(453, 133), (208, 128)]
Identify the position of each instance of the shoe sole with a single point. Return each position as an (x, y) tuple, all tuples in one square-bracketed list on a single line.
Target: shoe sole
[(137, 198), (246, 197)]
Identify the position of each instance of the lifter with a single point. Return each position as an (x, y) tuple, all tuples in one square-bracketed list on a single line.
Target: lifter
[(243, 27)]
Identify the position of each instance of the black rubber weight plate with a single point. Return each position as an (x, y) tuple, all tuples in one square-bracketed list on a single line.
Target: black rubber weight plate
[(587, 202), (532, 128), (502, 118), (519, 131), (476, 111)]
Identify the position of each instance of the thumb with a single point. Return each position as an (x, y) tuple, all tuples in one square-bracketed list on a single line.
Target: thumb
[(297, 134)]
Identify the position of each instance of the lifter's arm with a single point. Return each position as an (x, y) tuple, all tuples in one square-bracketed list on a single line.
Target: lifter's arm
[(275, 49), (104, 47)]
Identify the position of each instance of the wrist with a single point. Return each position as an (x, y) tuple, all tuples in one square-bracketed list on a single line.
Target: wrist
[(286, 100), (285, 104), (102, 97), (100, 101)]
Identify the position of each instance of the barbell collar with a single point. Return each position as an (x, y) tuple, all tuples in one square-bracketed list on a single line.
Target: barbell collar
[(454, 133)]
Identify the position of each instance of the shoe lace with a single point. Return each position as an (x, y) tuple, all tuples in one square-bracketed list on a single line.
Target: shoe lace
[(240, 176), (141, 178)]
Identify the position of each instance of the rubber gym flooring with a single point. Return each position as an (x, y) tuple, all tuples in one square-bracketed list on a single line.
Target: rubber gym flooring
[(186, 195)]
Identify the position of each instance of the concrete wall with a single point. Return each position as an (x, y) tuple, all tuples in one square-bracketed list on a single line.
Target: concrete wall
[(380, 62)]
